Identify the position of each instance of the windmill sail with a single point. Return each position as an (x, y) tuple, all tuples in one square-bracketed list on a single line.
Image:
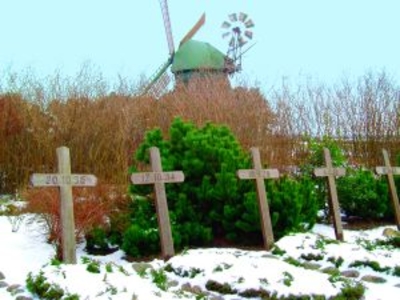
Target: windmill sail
[(153, 80), (159, 81), (167, 26), (160, 87), (194, 29)]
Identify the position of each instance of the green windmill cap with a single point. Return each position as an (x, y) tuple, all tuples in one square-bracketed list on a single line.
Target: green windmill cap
[(195, 55)]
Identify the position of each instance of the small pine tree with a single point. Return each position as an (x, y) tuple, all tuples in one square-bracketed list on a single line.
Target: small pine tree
[(211, 203), (209, 157), (293, 207), (364, 195), (315, 159)]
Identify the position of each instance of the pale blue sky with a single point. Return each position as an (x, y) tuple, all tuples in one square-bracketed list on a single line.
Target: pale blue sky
[(321, 38)]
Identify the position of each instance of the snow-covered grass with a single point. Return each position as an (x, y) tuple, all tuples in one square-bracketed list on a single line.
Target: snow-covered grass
[(301, 264)]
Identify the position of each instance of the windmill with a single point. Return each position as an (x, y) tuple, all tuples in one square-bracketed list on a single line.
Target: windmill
[(192, 59), (237, 29)]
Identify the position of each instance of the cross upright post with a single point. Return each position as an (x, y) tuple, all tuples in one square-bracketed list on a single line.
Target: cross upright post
[(331, 172), (260, 174), (64, 180), (389, 171), (158, 178)]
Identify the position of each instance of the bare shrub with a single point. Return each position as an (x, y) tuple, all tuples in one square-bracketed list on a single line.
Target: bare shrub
[(362, 115), (103, 129), (93, 208), (24, 142), (244, 110), (11, 121)]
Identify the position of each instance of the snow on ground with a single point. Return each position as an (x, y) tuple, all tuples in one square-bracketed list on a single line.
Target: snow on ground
[(301, 264)]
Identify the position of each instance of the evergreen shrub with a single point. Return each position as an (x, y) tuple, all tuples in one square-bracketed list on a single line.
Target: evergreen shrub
[(209, 157), (364, 195), (293, 207), (294, 204), (39, 286), (315, 159), (397, 177), (360, 192), (211, 205), (96, 241)]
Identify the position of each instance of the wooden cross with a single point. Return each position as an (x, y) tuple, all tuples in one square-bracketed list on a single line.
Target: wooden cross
[(158, 178), (260, 175), (331, 173), (65, 181), (390, 171)]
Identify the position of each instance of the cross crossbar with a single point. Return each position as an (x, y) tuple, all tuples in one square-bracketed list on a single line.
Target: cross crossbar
[(63, 179), (153, 177), (325, 172), (253, 174), (388, 170)]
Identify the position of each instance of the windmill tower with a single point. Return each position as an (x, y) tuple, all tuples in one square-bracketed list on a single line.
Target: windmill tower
[(192, 60)]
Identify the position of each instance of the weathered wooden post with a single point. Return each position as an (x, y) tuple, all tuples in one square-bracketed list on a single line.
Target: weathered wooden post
[(65, 181), (331, 173), (159, 178), (260, 175), (389, 171)]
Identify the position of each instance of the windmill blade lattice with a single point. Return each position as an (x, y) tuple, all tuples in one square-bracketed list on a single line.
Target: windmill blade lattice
[(167, 26), (159, 82), (160, 87), (238, 29)]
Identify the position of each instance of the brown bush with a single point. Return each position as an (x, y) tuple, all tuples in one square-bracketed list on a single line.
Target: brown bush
[(93, 208), (103, 130), (11, 121), (244, 110), (362, 115), (24, 144)]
